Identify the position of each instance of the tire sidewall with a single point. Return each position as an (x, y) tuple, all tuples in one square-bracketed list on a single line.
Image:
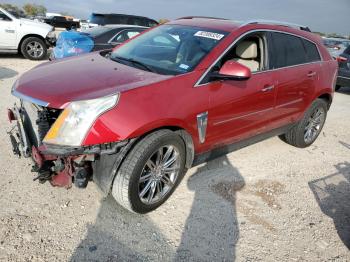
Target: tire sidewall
[(169, 139), (24, 48)]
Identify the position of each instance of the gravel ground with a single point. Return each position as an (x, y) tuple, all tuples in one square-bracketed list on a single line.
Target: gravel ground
[(266, 202)]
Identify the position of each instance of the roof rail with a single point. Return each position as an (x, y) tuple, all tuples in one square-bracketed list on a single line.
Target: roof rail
[(207, 17), (272, 22)]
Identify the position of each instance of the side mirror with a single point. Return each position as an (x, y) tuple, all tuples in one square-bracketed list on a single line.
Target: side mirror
[(232, 70)]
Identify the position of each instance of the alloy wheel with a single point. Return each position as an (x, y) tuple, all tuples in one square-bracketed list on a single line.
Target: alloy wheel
[(35, 49), (159, 174), (314, 125)]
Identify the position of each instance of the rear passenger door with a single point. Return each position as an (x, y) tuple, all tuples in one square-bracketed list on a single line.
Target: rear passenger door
[(297, 63)]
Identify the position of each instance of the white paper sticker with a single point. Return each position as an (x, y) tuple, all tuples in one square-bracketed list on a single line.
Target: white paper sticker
[(183, 66), (211, 35)]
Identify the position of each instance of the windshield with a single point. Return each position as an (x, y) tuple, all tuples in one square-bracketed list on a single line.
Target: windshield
[(169, 49)]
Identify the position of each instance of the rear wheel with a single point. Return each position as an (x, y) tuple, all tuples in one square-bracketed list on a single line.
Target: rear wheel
[(337, 87), (151, 172), (34, 48), (305, 132)]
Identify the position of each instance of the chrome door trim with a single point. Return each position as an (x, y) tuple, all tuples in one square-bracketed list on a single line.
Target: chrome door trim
[(243, 116)]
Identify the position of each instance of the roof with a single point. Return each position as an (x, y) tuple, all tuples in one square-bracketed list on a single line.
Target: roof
[(230, 25), (215, 23), (113, 14)]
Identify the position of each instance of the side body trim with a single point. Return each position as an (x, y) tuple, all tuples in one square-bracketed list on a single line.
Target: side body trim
[(217, 152)]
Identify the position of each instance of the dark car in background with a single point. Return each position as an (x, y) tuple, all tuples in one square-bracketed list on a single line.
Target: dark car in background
[(336, 46), (118, 19), (72, 43), (344, 69), (61, 22)]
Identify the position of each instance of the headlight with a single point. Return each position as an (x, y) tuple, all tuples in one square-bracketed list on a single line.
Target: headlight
[(74, 122), (51, 34)]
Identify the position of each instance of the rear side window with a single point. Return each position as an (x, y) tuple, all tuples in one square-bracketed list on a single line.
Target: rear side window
[(311, 51), (288, 50), (347, 50)]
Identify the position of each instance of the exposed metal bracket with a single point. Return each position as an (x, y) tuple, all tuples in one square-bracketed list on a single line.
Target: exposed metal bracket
[(202, 122)]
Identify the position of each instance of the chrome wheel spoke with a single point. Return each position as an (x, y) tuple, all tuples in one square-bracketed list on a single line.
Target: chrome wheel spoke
[(152, 192), (146, 188), (167, 170), (166, 180), (144, 178), (151, 165)]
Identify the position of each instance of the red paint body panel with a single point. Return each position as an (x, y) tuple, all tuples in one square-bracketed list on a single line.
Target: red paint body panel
[(236, 109)]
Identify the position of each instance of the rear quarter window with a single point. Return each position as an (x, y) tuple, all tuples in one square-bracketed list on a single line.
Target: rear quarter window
[(311, 51), (288, 50)]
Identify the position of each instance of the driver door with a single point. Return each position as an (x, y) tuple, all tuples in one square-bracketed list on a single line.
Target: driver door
[(7, 32), (240, 109)]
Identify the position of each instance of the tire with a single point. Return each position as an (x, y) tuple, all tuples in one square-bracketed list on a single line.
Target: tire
[(296, 136), (337, 87), (34, 48), (127, 189)]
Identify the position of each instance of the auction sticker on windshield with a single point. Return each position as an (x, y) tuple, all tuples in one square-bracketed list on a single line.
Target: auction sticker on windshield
[(211, 35)]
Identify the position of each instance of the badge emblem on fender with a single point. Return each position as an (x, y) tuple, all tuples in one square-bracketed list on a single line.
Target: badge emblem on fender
[(202, 122)]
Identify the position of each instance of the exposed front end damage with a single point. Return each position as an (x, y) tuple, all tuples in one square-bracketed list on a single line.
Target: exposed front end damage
[(62, 166)]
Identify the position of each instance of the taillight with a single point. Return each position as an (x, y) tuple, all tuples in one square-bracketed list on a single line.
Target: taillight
[(341, 59), (11, 115)]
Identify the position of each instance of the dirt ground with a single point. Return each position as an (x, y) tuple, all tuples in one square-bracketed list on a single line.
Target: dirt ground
[(266, 202)]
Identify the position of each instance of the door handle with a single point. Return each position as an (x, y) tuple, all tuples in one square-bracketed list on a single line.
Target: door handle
[(267, 88), (311, 74)]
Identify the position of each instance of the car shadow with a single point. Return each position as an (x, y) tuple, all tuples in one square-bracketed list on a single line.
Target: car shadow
[(332, 193), (7, 73), (119, 235), (211, 230)]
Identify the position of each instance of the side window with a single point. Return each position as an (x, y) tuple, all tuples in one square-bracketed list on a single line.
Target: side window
[(125, 35), (311, 51), (4, 17), (250, 51), (288, 50)]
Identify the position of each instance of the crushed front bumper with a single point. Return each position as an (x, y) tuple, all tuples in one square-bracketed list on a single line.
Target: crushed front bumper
[(64, 165)]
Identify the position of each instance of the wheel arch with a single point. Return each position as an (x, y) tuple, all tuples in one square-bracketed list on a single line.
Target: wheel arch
[(27, 36), (327, 98), (105, 179)]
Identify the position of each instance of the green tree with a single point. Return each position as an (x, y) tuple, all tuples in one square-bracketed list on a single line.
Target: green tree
[(34, 10), (10, 7)]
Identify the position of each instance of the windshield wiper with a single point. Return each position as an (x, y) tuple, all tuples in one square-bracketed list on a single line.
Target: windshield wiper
[(148, 68)]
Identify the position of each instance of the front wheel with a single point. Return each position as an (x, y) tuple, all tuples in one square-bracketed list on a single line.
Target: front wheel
[(305, 132), (151, 172), (34, 48)]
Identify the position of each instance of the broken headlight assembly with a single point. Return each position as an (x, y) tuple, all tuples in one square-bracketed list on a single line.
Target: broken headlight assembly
[(75, 121)]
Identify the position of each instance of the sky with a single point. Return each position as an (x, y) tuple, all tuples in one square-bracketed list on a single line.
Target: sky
[(329, 16)]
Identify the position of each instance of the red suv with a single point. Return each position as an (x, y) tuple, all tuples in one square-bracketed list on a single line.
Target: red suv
[(135, 119)]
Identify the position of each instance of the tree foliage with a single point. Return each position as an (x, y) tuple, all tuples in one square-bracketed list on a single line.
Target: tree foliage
[(34, 10)]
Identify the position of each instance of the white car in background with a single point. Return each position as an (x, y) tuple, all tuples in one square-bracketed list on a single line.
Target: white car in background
[(28, 37)]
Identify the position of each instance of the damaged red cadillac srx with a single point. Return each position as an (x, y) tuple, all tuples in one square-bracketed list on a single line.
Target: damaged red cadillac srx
[(135, 119)]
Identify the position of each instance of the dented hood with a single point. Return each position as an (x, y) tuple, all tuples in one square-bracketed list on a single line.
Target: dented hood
[(89, 76)]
